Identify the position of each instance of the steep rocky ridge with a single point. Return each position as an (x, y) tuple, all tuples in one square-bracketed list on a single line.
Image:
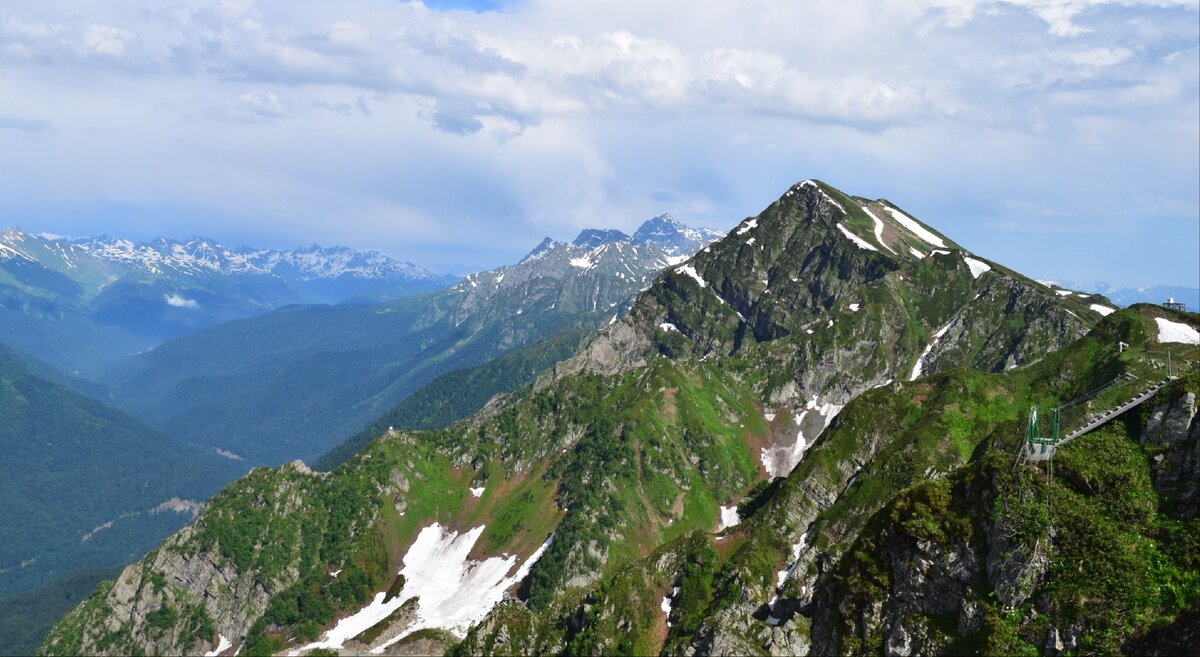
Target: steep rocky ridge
[(908, 530), (817, 252), (633, 451)]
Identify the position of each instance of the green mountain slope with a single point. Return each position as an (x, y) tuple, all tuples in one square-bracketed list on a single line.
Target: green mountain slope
[(601, 486), (71, 466), (459, 394)]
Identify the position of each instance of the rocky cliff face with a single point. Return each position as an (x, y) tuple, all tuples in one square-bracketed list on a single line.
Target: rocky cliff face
[(1172, 433), (791, 443), (192, 590)]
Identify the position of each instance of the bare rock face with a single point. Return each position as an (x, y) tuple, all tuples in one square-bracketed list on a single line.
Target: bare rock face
[(928, 579), (620, 347), (1169, 424), (181, 597), (1014, 569), (422, 645), (1175, 466), (160, 598)]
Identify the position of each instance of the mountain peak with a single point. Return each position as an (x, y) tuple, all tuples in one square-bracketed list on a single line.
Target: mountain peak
[(590, 238), (663, 224), (545, 245), (667, 232)]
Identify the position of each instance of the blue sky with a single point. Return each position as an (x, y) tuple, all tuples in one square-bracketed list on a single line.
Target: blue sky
[(1059, 137)]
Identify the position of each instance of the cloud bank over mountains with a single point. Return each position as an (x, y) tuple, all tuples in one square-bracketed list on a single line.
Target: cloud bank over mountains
[(397, 126)]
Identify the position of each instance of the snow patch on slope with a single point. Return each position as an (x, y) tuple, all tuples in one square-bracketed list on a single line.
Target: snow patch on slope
[(454, 592), (747, 227), (862, 244), (914, 227), (1103, 310), (223, 644), (917, 369), (878, 228), (814, 185), (667, 603), (729, 518), (779, 460), (978, 267), (1169, 331), (797, 549), (691, 271)]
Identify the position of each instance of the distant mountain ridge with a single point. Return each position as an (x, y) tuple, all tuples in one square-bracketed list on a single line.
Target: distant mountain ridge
[(80, 303), (663, 231), (1127, 296), (296, 382), (203, 254)]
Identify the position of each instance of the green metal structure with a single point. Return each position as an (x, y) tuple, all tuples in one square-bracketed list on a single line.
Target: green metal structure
[(1039, 444)]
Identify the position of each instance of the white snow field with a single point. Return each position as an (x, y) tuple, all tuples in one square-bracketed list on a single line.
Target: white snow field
[(878, 228), (455, 592), (978, 267), (1169, 331), (860, 242), (916, 228), (691, 271), (729, 517), (223, 644), (920, 366)]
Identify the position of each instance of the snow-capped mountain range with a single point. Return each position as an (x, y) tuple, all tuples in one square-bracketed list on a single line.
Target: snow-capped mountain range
[(1127, 296), (84, 301), (674, 237), (664, 233), (358, 361), (600, 269), (199, 254), (80, 303)]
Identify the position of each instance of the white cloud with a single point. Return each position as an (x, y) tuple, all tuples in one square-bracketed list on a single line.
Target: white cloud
[(178, 301), (106, 39), (391, 125), (1099, 56)]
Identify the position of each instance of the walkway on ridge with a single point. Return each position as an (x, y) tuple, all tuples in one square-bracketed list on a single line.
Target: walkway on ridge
[(1044, 452)]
